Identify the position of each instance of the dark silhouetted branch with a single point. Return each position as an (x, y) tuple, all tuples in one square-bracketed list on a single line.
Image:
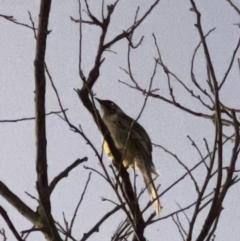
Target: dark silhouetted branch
[(65, 173), (99, 223), (16, 202), (10, 224), (30, 118), (13, 20), (234, 6)]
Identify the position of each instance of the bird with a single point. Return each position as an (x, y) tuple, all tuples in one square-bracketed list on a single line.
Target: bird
[(133, 142)]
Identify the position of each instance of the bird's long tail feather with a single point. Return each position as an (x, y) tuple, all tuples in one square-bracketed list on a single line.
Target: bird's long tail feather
[(153, 194), (146, 173)]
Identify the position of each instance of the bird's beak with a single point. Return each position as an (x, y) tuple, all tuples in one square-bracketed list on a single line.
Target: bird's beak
[(98, 100), (101, 102)]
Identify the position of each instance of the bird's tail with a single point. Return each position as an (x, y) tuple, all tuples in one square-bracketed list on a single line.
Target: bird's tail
[(153, 193), (146, 173)]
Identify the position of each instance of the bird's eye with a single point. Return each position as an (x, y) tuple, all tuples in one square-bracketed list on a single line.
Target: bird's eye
[(112, 104)]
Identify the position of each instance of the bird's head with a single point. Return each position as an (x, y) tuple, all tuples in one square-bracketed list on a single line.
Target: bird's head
[(109, 108)]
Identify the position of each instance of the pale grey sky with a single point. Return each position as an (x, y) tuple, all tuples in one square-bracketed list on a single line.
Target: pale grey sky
[(173, 24)]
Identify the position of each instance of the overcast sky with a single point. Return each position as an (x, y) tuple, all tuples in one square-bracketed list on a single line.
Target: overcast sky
[(173, 24)]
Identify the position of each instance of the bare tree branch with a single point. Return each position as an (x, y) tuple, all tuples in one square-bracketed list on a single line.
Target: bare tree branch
[(10, 224), (40, 82), (234, 6), (122, 232), (13, 20), (132, 28), (44, 209), (16, 202), (178, 227), (79, 203), (170, 73), (30, 118), (65, 173), (204, 91), (94, 19), (230, 65), (3, 234), (95, 228), (220, 190)]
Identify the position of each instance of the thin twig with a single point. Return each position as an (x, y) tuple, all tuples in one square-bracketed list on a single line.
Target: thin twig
[(178, 227), (230, 65), (13, 20), (197, 148), (3, 233), (65, 173), (204, 91), (234, 6), (170, 73), (95, 228), (79, 203), (31, 118)]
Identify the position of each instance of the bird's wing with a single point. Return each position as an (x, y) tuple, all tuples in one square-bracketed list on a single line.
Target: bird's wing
[(138, 133), (139, 137)]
